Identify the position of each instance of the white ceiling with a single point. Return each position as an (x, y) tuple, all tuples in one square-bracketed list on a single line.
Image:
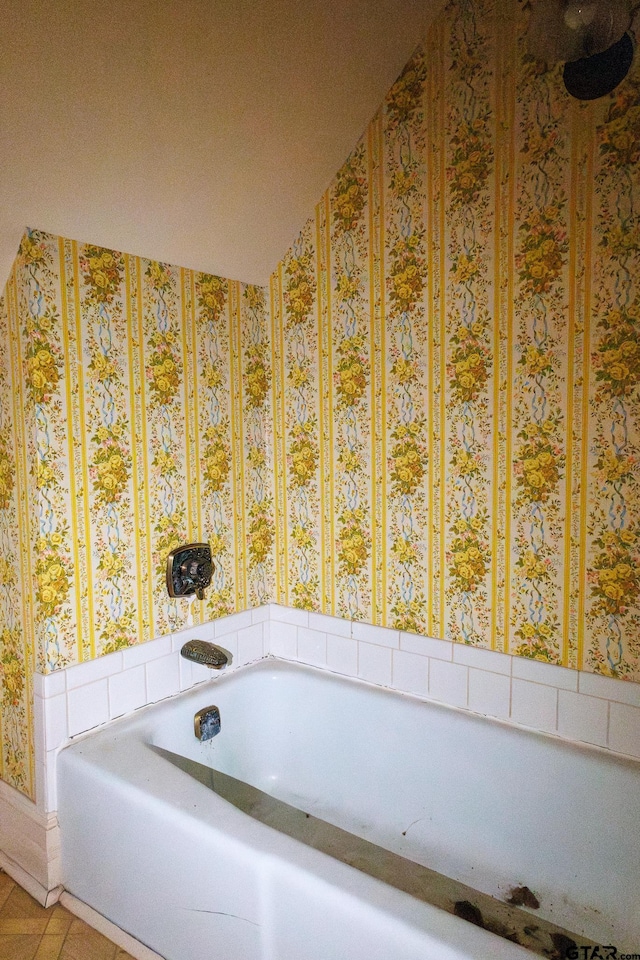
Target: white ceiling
[(196, 132)]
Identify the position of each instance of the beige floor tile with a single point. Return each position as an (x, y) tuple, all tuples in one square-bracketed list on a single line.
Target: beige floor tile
[(18, 948), (23, 925), (87, 946), (79, 927), (50, 947), (57, 911), (29, 932), (20, 905), (59, 923), (6, 886)]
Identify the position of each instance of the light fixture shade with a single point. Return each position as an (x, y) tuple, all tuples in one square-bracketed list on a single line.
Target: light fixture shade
[(565, 30), (592, 77)]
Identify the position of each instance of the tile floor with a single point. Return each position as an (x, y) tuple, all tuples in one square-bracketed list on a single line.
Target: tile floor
[(29, 932)]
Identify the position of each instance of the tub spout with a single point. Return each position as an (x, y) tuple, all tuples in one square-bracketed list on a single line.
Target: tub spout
[(200, 651)]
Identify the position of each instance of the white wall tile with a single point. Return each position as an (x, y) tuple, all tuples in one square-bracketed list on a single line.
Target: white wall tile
[(342, 655), (38, 685), (534, 705), (229, 643), (283, 639), (410, 672), (192, 673), (56, 730), (448, 682), (41, 786), (427, 646), (88, 706), (547, 673), (235, 621), (299, 618), (127, 691), (374, 663), (582, 718), (145, 652), (381, 636), (162, 677), (260, 614), (624, 729), (39, 746), (489, 693), (46, 788), (250, 643), (312, 646), (481, 658), (92, 670), (54, 683), (622, 691), (51, 781), (201, 631), (337, 626)]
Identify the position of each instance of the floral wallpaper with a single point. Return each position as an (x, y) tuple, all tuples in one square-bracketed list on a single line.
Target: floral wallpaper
[(456, 360), (17, 430), (427, 420), (133, 399)]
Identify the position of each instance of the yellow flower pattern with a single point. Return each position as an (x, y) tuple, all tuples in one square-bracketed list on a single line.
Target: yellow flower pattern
[(163, 369), (216, 458), (43, 365), (349, 197), (102, 271), (12, 674), (52, 576), (7, 474), (543, 250), (618, 358), (110, 468)]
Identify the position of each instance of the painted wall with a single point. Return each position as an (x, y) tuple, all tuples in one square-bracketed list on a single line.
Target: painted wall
[(456, 361), (133, 394)]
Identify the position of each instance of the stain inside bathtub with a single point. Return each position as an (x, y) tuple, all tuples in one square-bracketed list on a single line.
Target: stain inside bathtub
[(523, 897), (506, 919)]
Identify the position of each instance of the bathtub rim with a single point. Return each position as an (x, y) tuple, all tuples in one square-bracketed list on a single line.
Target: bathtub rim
[(265, 663)]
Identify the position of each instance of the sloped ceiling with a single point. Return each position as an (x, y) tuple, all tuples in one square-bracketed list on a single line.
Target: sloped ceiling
[(197, 132)]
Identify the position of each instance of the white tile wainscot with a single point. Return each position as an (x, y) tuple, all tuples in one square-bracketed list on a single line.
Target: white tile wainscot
[(571, 704), (72, 701)]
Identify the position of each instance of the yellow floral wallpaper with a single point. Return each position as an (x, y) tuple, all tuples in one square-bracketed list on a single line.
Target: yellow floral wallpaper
[(134, 394), (456, 361), (428, 420), (17, 489)]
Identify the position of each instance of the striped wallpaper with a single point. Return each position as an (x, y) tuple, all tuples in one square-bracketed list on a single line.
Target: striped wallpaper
[(456, 361), (133, 397), (427, 420)]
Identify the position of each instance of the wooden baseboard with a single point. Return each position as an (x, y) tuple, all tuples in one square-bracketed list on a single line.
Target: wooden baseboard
[(29, 846)]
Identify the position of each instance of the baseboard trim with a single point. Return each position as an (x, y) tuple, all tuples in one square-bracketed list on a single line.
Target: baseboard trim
[(108, 929), (45, 898), (29, 845)]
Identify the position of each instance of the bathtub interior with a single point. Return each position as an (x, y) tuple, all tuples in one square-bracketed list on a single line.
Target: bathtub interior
[(506, 920), (471, 800), (490, 806)]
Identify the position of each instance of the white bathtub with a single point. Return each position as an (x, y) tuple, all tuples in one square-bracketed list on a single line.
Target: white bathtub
[(155, 850)]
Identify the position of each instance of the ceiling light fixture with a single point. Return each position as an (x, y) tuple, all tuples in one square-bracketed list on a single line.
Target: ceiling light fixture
[(590, 37)]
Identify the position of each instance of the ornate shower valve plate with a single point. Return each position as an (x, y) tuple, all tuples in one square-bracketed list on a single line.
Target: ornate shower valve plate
[(189, 570)]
